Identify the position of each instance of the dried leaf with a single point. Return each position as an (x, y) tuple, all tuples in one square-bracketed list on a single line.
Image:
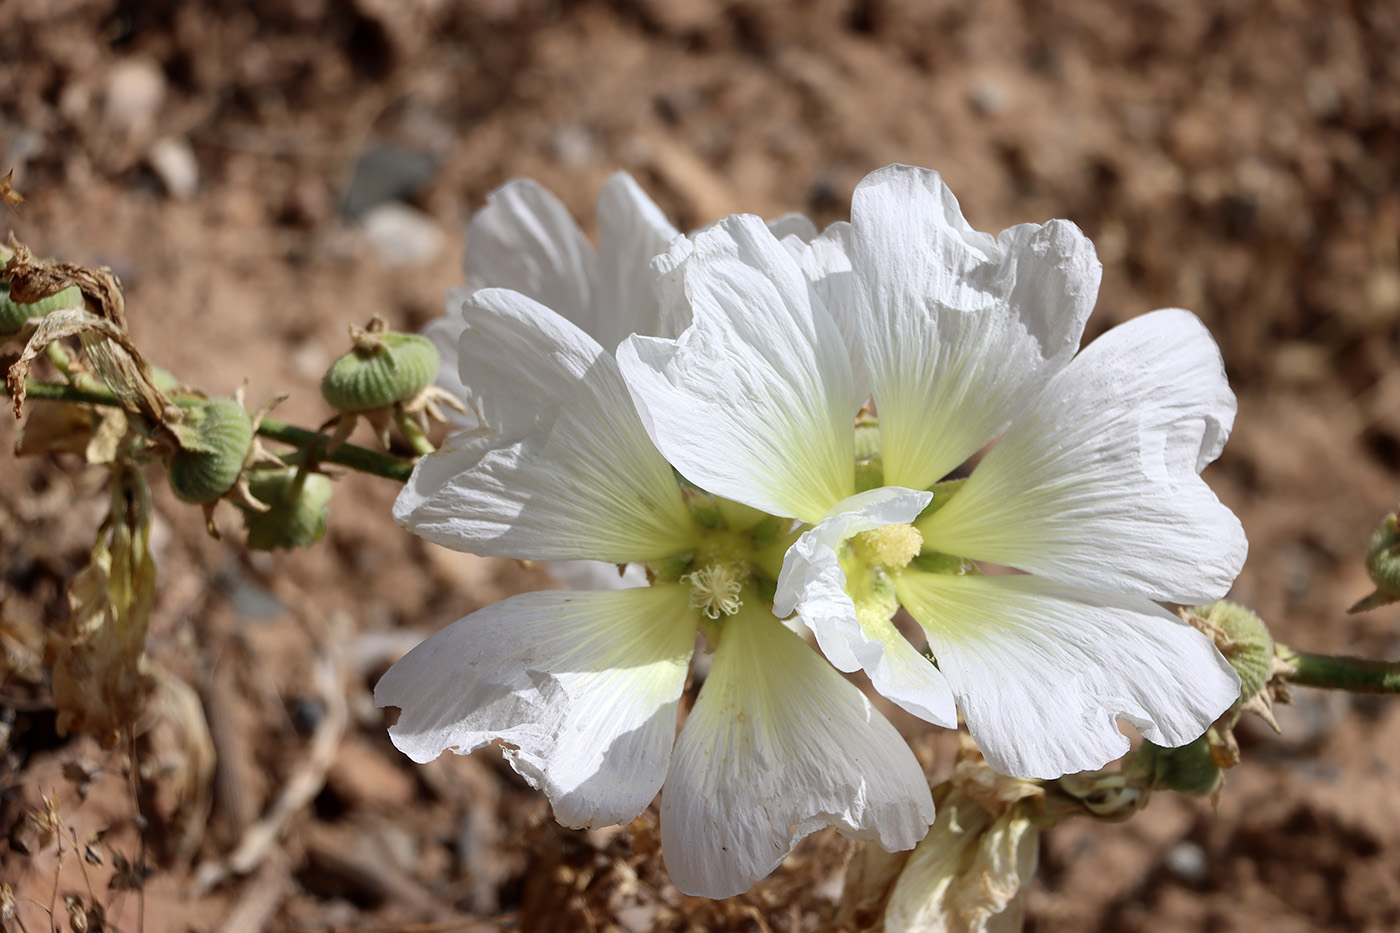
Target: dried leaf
[(12, 198), (101, 680), (80, 775), (101, 327), (77, 916)]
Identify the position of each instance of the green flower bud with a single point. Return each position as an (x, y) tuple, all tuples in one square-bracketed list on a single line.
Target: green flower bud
[(215, 438), (298, 505), (383, 368), (1190, 769), (1247, 644), (1383, 557), (13, 314)]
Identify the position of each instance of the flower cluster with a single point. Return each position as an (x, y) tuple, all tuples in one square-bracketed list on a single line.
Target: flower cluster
[(764, 422)]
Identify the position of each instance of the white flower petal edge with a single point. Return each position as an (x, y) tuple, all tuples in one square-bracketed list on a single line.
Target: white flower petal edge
[(564, 468), (585, 687), (778, 746), (1042, 670), (445, 333), (754, 402), (526, 240), (631, 232), (1097, 482), (813, 583), (954, 322)]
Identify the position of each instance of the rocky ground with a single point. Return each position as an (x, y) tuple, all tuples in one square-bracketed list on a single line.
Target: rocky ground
[(262, 174)]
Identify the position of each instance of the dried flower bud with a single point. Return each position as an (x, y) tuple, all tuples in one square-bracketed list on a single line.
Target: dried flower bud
[(215, 439), (298, 504), (13, 314), (383, 368)]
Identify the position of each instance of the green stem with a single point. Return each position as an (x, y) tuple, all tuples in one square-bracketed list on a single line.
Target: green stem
[(1334, 672), (413, 434), (360, 459)]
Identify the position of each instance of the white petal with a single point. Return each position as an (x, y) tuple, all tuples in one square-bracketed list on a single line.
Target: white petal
[(584, 686), (1042, 670), (753, 401), (826, 261), (778, 746), (1096, 483), (631, 232), (445, 333), (668, 281), (957, 329), (814, 584), (563, 469), (596, 575), (525, 240), (795, 225)]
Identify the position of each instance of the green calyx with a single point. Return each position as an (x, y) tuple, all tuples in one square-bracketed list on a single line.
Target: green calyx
[(385, 367), (13, 314), (1190, 769), (298, 505), (215, 438), (1244, 640)]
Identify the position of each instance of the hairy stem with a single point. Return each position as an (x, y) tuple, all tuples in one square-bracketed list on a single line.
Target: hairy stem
[(356, 458), (1335, 672)]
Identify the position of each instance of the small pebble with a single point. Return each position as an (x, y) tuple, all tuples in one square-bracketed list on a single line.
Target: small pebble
[(174, 163), (1187, 862), (402, 235)]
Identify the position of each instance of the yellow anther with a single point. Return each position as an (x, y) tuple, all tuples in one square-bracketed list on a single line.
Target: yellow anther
[(715, 588), (891, 547)]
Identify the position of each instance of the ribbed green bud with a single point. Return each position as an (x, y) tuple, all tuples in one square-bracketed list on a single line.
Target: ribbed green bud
[(13, 314), (1249, 647), (1190, 769), (215, 438), (382, 369), (1383, 557), (296, 513)]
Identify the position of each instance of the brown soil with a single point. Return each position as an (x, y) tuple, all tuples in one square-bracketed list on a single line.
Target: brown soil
[(1239, 159)]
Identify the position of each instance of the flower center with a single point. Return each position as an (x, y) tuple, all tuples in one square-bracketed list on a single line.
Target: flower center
[(891, 547), (714, 588)]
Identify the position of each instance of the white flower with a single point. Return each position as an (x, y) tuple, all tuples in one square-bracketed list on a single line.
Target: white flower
[(583, 687), (1092, 491), (525, 240)]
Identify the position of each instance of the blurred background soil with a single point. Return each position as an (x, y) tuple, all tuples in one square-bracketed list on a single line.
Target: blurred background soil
[(263, 173)]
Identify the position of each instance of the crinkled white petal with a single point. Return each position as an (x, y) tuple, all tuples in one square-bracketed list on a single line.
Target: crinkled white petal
[(957, 329), (1097, 482), (813, 583), (526, 240), (777, 746), (582, 686), (754, 401), (597, 575), (631, 232), (826, 261), (1042, 671), (445, 333), (562, 468)]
